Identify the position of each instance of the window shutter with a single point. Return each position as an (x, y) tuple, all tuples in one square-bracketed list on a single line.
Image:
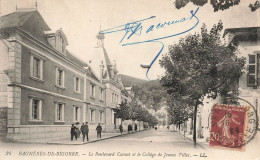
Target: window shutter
[(30, 109), (62, 113), (75, 84), (40, 110), (41, 69), (31, 66), (252, 71), (57, 76)]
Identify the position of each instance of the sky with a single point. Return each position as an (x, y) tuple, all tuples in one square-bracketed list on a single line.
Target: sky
[(81, 21)]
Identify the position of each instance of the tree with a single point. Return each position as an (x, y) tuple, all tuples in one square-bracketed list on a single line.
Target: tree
[(123, 111), (200, 65), (216, 4), (151, 93)]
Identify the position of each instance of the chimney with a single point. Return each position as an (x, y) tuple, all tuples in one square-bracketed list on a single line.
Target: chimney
[(101, 70)]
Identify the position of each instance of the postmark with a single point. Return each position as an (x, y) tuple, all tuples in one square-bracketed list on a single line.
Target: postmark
[(232, 127)]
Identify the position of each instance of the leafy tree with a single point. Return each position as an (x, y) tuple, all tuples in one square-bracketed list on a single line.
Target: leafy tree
[(216, 4), (151, 93), (123, 111), (200, 65)]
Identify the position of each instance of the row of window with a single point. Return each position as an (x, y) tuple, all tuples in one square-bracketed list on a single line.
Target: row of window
[(253, 79), (115, 98), (36, 112), (37, 73)]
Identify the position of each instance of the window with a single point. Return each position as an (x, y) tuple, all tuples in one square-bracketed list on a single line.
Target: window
[(112, 97), (76, 114), (117, 98), (36, 67), (252, 70), (92, 90), (101, 94), (59, 77), (35, 109), (92, 115), (77, 84), (60, 44), (101, 115), (59, 112)]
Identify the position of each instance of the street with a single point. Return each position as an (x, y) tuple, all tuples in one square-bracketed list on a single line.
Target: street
[(150, 144)]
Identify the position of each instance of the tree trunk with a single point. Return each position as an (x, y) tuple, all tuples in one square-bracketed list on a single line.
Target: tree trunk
[(184, 130), (139, 125), (194, 125)]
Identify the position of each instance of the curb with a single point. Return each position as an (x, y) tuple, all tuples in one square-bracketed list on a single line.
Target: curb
[(197, 144), (92, 141)]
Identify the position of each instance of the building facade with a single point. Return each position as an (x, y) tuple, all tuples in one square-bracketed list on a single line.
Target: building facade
[(44, 88)]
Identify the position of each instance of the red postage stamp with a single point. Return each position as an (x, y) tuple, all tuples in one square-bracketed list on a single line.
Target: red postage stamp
[(228, 127)]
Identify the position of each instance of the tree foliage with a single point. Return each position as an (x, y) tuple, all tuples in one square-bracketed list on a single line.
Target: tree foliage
[(216, 4), (150, 93), (199, 65), (132, 110)]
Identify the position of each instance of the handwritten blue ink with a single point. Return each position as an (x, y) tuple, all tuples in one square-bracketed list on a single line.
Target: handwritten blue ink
[(135, 28)]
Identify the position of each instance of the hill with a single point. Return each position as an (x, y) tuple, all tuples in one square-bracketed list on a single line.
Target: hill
[(129, 81)]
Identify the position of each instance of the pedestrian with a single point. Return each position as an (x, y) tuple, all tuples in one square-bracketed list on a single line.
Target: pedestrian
[(73, 132), (135, 127), (121, 128), (84, 131), (87, 130), (77, 129), (129, 128), (99, 129)]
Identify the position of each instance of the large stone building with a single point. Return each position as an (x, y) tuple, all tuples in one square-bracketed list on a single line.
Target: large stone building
[(44, 88)]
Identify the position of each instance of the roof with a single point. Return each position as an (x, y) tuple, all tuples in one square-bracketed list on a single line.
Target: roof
[(20, 18), (81, 64), (244, 29), (17, 19)]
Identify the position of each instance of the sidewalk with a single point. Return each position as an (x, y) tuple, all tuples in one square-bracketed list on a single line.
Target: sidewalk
[(201, 142), (79, 141)]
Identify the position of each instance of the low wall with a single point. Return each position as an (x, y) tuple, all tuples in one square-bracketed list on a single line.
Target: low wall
[(20, 132), (3, 123)]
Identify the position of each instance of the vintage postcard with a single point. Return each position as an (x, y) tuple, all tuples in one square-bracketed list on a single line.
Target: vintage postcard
[(132, 79)]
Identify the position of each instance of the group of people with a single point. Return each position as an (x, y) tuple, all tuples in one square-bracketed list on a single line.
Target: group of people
[(84, 130)]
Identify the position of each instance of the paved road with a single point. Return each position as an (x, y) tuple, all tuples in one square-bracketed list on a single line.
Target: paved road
[(150, 144)]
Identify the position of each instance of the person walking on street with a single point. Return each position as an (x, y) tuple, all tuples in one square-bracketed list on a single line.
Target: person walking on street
[(77, 130), (99, 129), (135, 127), (73, 132), (87, 130), (121, 128), (129, 128), (84, 131)]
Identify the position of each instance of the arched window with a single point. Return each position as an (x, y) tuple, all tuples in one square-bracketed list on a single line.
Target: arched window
[(61, 41)]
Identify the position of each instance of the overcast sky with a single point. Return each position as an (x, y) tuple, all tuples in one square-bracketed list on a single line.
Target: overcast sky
[(81, 20)]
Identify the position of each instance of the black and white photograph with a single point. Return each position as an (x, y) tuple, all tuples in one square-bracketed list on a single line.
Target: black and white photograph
[(129, 79)]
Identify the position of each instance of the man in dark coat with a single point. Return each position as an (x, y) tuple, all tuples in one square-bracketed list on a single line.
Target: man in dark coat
[(84, 130), (121, 128), (73, 132), (129, 128), (99, 129)]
